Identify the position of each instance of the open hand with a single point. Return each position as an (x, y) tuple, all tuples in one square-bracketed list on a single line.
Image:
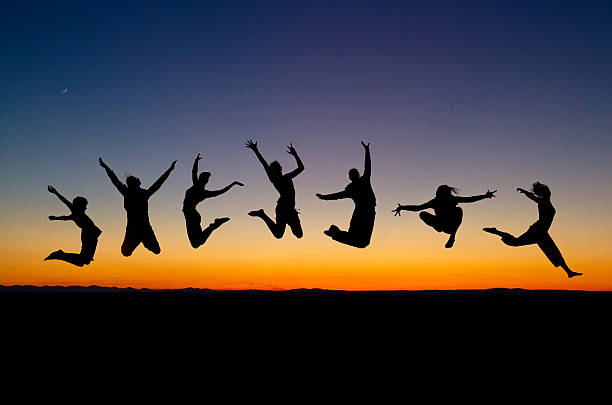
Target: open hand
[(367, 146), (490, 194), (291, 150), (520, 190), (398, 210), (251, 145), (198, 157), (52, 189)]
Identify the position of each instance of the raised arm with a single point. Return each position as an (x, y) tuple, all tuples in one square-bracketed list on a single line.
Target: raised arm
[(367, 171), (529, 195), (291, 150), (63, 199), (214, 193), (400, 208), (474, 198), (161, 180), (194, 170), (113, 177), (253, 146), (333, 196)]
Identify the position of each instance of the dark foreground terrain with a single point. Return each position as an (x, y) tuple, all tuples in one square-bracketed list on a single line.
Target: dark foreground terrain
[(504, 327)]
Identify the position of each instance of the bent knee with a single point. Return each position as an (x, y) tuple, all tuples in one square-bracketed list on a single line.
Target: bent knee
[(424, 215), (126, 253)]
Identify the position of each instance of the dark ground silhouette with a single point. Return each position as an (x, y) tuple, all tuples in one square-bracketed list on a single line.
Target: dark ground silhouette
[(196, 194), (362, 221), (448, 216), (136, 203), (89, 231), (538, 232), (286, 214)]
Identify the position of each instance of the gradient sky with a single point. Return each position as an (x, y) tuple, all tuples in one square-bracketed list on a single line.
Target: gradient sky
[(152, 83)]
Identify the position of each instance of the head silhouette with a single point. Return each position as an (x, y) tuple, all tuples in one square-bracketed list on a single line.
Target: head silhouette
[(354, 174), (445, 191), (132, 182), (79, 204), (276, 169), (203, 178), (541, 190)]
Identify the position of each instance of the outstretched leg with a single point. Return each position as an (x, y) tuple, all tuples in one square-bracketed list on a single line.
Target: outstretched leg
[(210, 228), (511, 240), (552, 252), (73, 258), (277, 229), (197, 236)]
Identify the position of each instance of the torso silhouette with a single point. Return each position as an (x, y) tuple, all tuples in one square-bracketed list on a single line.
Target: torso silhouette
[(136, 204), (546, 213), (444, 207), (360, 191), (284, 185), (85, 223), (193, 196)]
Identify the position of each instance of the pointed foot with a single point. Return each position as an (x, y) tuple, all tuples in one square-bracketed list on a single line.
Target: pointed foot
[(331, 231), (53, 255), (256, 213), (573, 274), (220, 221)]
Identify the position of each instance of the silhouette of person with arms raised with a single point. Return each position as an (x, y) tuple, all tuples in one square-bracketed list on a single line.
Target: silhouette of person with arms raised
[(89, 231), (360, 191), (448, 216), (286, 213), (136, 203), (195, 195), (538, 231)]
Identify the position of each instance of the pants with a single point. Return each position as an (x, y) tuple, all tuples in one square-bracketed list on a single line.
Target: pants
[(360, 229), (448, 224), (137, 234), (537, 235)]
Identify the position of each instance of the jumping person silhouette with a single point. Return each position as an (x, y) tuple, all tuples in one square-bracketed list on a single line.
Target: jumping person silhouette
[(89, 231), (360, 191), (538, 231), (195, 195), (448, 215), (286, 213), (136, 203)]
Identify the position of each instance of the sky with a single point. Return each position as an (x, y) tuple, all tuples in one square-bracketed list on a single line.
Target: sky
[(152, 83)]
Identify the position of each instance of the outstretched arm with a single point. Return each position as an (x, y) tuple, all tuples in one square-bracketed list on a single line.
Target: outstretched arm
[(300, 165), (253, 146), (60, 218), (528, 194), (194, 171), (333, 196), (214, 193), (161, 180), (63, 199), (367, 171), (400, 208), (474, 198), (113, 177)]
